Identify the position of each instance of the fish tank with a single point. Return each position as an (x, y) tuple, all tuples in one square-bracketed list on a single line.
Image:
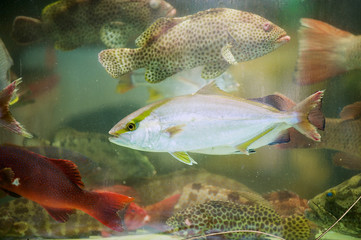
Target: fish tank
[(197, 119)]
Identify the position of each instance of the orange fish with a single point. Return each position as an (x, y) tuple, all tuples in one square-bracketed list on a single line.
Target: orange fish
[(6, 119), (325, 51), (56, 185)]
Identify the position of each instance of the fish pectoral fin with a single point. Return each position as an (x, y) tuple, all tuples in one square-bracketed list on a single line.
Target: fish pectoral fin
[(6, 175), (183, 157), (158, 28), (174, 130), (59, 214), (214, 69), (227, 54), (115, 34), (21, 227)]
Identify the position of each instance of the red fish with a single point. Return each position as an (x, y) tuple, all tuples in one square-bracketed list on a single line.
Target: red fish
[(57, 186), (6, 119)]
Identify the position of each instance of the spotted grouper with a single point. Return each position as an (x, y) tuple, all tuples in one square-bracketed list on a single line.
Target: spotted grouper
[(72, 23), (219, 216), (215, 39)]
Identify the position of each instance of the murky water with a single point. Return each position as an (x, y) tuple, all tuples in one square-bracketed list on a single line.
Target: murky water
[(69, 101)]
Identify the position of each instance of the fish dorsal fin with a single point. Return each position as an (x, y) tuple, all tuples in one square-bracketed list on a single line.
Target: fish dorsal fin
[(211, 88), (6, 175), (158, 28), (69, 169), (351, 112), (277, 100)]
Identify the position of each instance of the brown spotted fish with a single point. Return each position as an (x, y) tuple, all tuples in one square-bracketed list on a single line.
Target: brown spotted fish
[(340, 134), (72, 23), (330, 205), (215, 38), (219, 216)]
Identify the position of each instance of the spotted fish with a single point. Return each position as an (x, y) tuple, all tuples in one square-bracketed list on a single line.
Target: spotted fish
[(215, 38), (72, 23), (327, 207), (219, 216)]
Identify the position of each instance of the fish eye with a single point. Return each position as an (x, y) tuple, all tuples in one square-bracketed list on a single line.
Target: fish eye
[(267, 26), (330, 195), (154, 4), (131, 126)]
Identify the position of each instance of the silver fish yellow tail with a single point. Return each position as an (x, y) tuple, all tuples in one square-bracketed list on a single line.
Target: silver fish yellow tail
[(120, 61), (310, 116)]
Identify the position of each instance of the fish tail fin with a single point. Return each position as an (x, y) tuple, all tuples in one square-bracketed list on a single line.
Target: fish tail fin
[(297, 227), (322, 51), (108, 208), (119, 61), (310, 116), (6, 119), (27, 30)]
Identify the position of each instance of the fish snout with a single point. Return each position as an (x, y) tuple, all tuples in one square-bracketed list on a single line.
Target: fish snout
[(283, 39), (172, 12)]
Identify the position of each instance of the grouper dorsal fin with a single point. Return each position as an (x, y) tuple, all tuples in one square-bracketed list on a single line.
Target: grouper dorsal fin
[(351, 112), (277, 100), (69, 169), (158, 28)]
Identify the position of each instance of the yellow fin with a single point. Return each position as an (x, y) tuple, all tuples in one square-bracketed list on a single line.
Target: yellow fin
[(243, 147), (154, 95), (159, 27), (174, 130), (183, 157)]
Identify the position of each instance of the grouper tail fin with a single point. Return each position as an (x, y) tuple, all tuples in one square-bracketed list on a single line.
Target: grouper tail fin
[(310, 116), (27, 30), (120, 61)]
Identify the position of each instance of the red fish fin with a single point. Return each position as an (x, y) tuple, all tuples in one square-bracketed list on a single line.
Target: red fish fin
[(6, 119), (59, 214), (351, 112), (69, 169), (322, 50), (310, 116), (6, 175), (276, 100), (161, 211), (346, 160), (108, 208)]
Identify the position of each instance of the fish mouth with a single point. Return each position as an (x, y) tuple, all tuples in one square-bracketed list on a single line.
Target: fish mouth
[(313, 213), (283, 39), (171, 12)]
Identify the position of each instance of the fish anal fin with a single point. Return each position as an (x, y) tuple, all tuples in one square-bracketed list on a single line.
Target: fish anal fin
[(183, 157), (158, 28), (69, 169), (214, 69), (7, 175), (227, 54), (284, 137), (276, 100), (59, 214), (174, 130), (351, 112), (244, 147)]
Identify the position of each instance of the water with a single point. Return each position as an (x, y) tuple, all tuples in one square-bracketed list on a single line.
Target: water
[(84, 98)]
